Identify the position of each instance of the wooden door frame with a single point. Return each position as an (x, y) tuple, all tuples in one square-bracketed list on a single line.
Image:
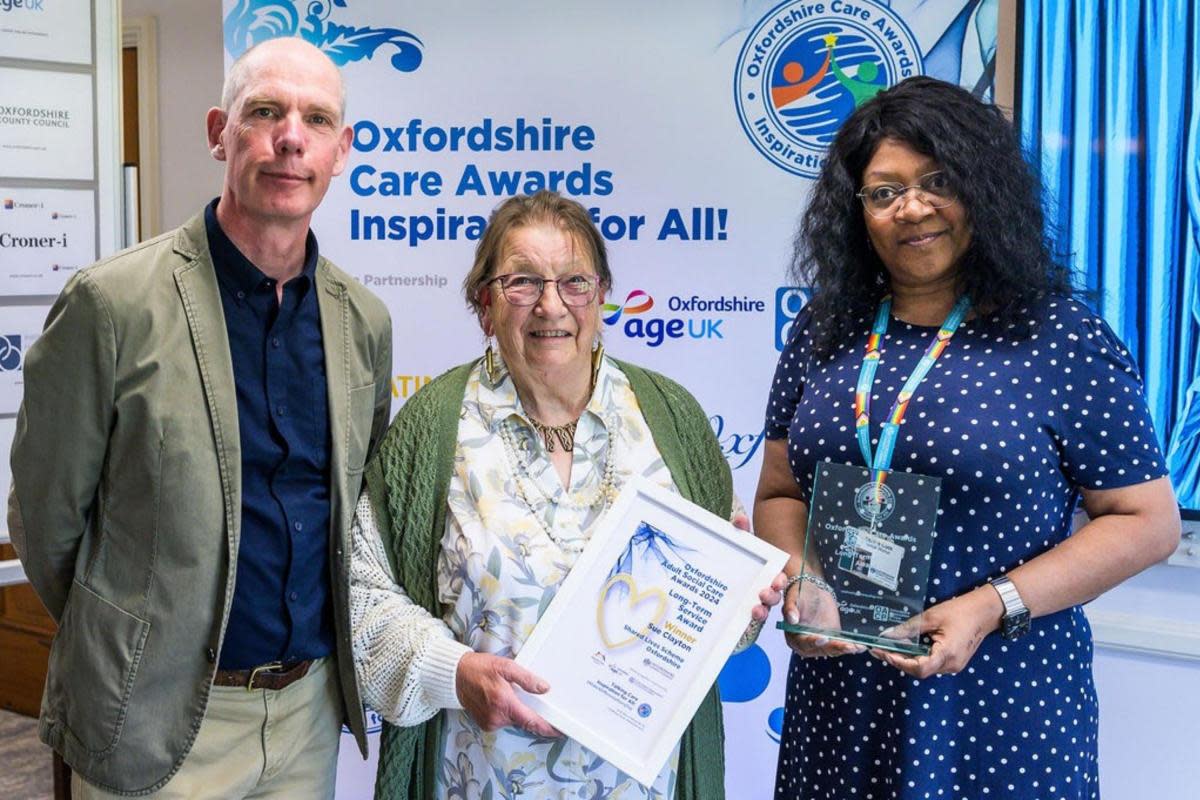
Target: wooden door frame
[(142, 33)]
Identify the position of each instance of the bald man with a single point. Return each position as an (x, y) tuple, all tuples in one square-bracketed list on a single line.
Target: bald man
[(196, 417)]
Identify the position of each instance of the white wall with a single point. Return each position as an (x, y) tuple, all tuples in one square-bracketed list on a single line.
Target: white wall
[(1149, 706), (1149, 715), (190, 71)]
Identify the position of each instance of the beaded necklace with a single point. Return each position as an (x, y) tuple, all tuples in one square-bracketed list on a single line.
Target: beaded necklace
[(605, 491)]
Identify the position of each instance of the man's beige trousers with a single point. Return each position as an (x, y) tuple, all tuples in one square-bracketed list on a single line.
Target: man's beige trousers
[(259, 744)]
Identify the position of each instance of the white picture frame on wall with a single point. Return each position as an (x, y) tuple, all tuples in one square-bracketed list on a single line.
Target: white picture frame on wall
[(47, 30), (48, 134)]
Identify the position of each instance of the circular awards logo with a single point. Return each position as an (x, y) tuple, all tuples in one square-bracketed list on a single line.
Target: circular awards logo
[(644, 710), (874, 502), (806, 66)]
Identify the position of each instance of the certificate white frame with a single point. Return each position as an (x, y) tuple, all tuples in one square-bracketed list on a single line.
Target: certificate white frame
[(634, 755)]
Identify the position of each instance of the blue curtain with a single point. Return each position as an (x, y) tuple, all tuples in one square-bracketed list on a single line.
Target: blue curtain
[(1107, 108)]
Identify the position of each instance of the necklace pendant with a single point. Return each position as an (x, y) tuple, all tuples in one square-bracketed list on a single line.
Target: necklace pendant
[(563, 434), (566, 437)]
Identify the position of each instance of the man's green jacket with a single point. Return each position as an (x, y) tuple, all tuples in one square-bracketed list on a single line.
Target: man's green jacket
[(126, 498)]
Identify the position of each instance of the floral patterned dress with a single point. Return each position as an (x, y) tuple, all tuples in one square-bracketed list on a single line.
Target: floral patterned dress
[(512, 535)]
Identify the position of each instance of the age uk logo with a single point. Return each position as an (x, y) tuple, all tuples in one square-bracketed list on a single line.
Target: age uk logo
[(653, 331), (634, 304)]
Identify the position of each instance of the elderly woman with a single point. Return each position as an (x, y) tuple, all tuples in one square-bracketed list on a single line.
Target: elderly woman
[(926, 214), (484, 492)]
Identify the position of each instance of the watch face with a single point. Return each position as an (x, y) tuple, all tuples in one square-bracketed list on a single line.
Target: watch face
[(1015, 626)]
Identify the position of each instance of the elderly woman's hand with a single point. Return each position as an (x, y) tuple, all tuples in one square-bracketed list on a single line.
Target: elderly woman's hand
[(819, 609), (956, 627), (769, 597), (484, 683)]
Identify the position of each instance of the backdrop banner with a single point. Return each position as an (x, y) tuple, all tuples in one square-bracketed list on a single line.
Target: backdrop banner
[(691, 130)]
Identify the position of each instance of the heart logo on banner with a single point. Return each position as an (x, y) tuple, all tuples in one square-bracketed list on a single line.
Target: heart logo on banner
[(642, 610)]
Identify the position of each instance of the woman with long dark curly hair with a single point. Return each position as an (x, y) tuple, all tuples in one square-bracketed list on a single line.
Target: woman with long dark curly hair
[(937, 296), (978, 154)]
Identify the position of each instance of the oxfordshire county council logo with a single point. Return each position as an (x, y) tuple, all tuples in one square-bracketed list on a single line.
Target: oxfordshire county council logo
[(252, 21), (802, 72)]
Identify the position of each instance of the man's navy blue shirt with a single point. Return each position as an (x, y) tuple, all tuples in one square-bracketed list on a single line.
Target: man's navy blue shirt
[(282, 609)]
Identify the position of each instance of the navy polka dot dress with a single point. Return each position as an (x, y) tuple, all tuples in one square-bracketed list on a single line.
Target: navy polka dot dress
[(1015, 427)]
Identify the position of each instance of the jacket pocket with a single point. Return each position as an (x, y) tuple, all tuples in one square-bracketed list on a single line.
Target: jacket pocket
[(362, 415), (93, 664)]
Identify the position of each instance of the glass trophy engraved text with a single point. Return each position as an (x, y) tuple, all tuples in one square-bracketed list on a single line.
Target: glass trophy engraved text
[(870, 542)]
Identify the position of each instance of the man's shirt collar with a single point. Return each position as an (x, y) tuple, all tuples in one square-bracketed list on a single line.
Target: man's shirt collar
[(236, 271)]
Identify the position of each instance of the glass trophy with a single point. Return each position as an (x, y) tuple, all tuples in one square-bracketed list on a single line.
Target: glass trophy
[(873, 542)]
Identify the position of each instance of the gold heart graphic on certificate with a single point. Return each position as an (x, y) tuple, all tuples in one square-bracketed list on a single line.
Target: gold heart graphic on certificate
[(638, 601)]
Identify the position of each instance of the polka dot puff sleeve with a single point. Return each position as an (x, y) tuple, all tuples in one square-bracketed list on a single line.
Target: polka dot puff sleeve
[(1102, 425), (788, 385)]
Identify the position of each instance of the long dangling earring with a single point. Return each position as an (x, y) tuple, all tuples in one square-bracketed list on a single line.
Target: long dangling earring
[(489, 363), (597, 360), (489, 355)]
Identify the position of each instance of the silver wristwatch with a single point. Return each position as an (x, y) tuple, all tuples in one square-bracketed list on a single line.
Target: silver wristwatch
[(1015, 622)]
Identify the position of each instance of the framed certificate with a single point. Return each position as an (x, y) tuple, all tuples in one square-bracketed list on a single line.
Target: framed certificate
[(642, 625)]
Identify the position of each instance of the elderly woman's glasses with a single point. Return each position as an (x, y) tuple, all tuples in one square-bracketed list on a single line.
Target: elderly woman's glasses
[(525, 290), (885, 199)]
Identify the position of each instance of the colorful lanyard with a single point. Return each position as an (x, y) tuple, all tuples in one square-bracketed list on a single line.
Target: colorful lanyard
[(882, 461)]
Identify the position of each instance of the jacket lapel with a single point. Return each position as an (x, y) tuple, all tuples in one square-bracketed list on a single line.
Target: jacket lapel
[(196, 280)]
